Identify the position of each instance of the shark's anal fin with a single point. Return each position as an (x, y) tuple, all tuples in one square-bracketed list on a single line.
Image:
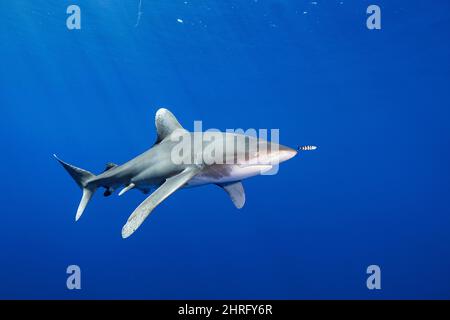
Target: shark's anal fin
[(82, 178), (166, 189), (236, 192)]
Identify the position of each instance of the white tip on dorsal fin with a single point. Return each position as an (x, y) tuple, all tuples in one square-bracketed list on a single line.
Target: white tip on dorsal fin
[(165, 123), (128, 187), (171, 185)]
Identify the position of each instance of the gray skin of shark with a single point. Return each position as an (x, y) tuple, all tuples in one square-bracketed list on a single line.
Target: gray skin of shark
[(164, 168)]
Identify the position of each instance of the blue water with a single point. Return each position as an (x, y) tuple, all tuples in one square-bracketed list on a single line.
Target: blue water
[(375, 192)]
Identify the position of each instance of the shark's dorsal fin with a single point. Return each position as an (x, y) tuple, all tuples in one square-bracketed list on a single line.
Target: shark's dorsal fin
[(165, 123), (109, 166), (236, 192)]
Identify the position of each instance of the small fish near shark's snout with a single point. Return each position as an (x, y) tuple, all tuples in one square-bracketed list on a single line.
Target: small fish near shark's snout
[(156, 169)]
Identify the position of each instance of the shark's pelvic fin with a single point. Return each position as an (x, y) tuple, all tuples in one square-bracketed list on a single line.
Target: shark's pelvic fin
[(236, 192), (108, 191), (146, 207), (128, 187), (165, 123), (82, 178)]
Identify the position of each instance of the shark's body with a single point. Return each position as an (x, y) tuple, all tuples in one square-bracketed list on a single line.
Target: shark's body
[(156, 169)]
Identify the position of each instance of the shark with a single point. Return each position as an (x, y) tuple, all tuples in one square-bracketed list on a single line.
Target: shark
[(159, 170)]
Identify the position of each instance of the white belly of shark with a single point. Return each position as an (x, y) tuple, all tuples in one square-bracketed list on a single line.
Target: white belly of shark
[(233, 173)]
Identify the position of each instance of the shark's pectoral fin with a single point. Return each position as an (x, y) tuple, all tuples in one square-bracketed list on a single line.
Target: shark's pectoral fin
[(146, 207), (236, 192)]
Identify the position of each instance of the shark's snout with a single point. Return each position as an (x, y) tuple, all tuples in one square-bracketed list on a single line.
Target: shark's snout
[(286, 153)]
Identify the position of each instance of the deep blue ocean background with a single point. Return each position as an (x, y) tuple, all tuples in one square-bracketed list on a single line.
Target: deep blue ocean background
[(377, 191)]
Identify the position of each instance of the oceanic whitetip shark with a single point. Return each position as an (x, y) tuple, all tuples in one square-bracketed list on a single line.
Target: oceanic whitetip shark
[(156, 168)]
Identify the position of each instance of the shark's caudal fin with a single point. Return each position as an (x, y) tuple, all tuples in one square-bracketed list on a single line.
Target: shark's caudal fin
[(82, 178)]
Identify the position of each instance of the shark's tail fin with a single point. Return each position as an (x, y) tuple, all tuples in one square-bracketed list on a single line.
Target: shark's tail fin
[(82, 178)]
